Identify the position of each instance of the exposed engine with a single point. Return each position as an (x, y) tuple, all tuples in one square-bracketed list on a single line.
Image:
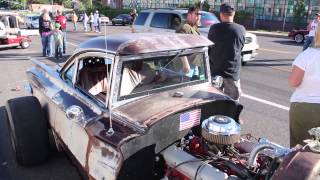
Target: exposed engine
[(222, 153)]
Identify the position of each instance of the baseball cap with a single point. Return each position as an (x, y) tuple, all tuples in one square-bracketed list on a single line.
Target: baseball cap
[(226, 8)]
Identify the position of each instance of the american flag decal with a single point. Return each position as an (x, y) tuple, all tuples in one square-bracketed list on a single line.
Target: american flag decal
[(190, 119)]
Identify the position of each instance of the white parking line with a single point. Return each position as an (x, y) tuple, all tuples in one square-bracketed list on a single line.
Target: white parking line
[(72, 44), (265, 102)]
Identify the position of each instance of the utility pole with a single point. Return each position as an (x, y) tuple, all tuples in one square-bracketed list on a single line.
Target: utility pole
[(254, 14), (273, 7), (309, 9), (285, 15)]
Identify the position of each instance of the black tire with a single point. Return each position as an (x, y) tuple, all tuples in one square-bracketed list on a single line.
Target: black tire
[(298, 38), (113, 23), (28, 130), (24, 44)]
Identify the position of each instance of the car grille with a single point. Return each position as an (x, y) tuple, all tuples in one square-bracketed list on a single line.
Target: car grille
[(248, 40)]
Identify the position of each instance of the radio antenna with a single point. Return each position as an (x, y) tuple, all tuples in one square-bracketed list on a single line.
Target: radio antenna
[(110, 131)]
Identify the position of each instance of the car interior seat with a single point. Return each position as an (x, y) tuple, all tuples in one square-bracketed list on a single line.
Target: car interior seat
[(93, 77)]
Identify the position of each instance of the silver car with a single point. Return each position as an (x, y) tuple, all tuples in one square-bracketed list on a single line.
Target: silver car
[(32, 21)]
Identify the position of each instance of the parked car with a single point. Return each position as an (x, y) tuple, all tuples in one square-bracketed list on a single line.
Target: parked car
[(11, 35), (144, 107), (168, 20), (298, 35), (104, 19), (68, 16), (32, 21), (122, 19)]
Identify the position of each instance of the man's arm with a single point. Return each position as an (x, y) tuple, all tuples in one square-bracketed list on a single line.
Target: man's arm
[(296, 76)]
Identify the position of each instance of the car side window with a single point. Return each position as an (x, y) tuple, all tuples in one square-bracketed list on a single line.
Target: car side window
[(175, 21), (69, 74), (141, 19), (93, 76), (160, 20)]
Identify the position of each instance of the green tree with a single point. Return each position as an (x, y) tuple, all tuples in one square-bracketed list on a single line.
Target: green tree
[(299, 13)]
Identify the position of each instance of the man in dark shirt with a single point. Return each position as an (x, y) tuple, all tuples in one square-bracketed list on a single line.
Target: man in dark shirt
[(44, 11), (225, 56)]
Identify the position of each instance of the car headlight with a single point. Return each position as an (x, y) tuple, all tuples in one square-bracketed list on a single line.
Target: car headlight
[(248, 40)]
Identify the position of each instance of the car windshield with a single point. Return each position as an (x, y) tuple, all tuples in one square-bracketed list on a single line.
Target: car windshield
[(156, 74), (34, 18), (120, 16), (206, 19)]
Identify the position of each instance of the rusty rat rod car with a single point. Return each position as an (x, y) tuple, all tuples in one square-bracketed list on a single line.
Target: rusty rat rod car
[(143, 106)]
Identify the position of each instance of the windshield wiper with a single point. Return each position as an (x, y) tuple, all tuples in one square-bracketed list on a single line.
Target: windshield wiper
[(177, 55)]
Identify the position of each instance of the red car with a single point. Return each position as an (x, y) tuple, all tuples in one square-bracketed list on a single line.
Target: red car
[(14, 41), (298, 35)]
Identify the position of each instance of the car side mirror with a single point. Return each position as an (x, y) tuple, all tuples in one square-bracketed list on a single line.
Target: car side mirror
[(75, 113), (217, 81)]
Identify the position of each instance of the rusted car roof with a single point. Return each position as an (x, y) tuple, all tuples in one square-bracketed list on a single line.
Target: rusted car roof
[(131, 44)]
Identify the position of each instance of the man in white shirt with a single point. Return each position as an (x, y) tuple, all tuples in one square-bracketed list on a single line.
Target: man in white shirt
[(312, 26)]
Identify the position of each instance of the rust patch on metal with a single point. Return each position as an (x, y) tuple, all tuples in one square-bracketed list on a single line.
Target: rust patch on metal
[(105, 152), (92, 142), (298, 165), (162, 104)]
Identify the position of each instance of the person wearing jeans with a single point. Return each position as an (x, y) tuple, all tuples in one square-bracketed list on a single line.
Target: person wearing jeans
[(46, 39), (46, 35)]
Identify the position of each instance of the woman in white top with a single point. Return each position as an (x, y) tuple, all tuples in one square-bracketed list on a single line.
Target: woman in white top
[(85, 21), (304, 111)]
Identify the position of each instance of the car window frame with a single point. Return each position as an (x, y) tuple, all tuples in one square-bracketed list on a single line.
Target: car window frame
[(75, 59), (122, 59)]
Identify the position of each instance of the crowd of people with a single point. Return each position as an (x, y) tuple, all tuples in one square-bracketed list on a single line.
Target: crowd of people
[(225, 61), (53, 31)]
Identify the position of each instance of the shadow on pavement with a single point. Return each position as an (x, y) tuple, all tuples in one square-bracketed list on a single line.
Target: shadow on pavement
[(56, 168), (25, 57), (269, 63), (288, 42)]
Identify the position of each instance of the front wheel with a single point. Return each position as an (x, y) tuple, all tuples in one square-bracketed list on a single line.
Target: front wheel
[(24, 44), (299, 38), (28, 130)]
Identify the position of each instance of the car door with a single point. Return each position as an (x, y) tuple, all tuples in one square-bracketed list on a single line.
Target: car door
[(164, 23), (73, 98)]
